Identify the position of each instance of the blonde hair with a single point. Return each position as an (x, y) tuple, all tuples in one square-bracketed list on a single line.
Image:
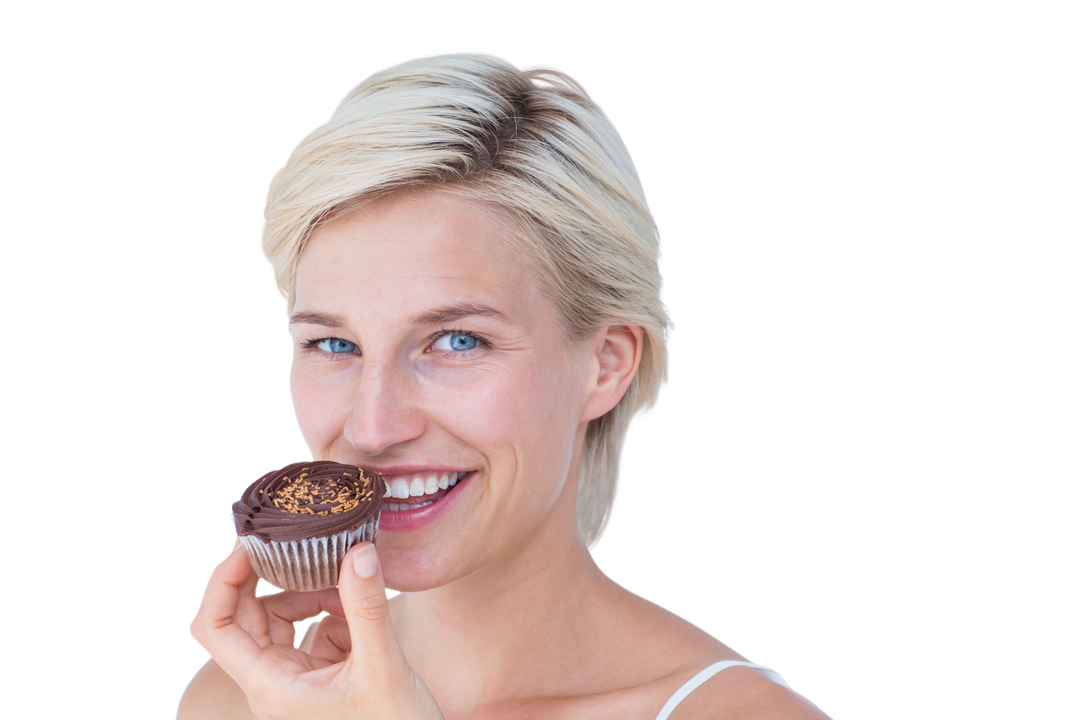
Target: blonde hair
[(531, 143)]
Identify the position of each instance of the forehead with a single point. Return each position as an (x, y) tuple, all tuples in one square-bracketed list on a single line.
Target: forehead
[(422, 246)]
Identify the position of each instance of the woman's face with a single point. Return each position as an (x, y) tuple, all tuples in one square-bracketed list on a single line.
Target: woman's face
[(425, 350)]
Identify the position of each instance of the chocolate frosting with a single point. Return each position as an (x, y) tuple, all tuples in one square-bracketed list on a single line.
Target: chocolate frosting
[(307, 500)]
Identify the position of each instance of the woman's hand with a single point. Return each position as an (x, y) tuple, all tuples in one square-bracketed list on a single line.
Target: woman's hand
[(355, 668)]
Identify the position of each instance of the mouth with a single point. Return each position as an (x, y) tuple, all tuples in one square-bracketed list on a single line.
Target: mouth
[(416, 490)]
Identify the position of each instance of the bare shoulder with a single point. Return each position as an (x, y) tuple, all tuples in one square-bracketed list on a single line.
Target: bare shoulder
[(742, 693), (678, 650)]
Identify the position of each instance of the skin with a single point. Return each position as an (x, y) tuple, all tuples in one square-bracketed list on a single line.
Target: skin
[(503, 613), (505, 575)]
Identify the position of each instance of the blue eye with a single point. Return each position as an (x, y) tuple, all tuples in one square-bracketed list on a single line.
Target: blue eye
[(458, 342), (336, 345)]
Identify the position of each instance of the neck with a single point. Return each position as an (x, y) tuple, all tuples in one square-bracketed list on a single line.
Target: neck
[(475, 640)]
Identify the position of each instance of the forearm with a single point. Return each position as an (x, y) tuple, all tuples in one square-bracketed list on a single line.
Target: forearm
[(213, 695)]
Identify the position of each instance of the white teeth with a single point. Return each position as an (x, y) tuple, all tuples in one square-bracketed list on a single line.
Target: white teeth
[(419, 484), (399, 487), (431, 485), (416, 487), (402, 507), (402, 485)]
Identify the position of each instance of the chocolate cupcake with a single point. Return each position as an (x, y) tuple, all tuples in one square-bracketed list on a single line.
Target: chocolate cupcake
[(297, 523)]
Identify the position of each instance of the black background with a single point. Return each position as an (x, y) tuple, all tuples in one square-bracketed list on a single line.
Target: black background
[(738, 527)]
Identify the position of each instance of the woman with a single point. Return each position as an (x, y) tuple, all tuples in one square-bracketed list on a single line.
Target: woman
[(471, 273)]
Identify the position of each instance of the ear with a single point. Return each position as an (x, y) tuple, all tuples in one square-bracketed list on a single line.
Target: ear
[(616, 354)]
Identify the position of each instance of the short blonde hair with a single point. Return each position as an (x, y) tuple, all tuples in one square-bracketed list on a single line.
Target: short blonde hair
[(531, 143)]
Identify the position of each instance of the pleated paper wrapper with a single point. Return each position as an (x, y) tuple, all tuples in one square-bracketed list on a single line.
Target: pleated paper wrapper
[(309, 564)]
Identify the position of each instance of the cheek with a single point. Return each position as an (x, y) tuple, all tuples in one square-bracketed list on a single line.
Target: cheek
[(506, 400), (523, 418), (475, 406), (315, 411)]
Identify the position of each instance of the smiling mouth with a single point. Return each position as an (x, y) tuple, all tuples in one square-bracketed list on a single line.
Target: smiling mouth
[(417, 490)]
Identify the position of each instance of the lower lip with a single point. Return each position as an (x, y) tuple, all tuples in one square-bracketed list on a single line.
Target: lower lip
[(393, 521)]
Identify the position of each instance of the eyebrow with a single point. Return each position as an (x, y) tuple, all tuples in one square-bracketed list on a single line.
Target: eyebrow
[(436, 316)]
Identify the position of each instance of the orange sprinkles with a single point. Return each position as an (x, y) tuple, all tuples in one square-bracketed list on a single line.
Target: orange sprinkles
[(309, 497)]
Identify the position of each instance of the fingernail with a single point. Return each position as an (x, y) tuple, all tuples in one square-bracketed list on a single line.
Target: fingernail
[(365, 561)]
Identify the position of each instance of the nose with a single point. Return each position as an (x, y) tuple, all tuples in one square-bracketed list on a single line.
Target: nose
[(385, 409)]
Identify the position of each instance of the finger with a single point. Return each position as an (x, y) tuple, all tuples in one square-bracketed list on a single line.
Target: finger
[(198, 620), (294, 606), (286, 608), (331, 641), (215, 626), (375, 649)]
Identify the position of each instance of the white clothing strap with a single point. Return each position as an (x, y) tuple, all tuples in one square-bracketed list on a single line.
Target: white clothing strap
[(693, 683)]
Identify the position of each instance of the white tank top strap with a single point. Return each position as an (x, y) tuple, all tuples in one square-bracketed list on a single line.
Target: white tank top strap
[(693, 683)]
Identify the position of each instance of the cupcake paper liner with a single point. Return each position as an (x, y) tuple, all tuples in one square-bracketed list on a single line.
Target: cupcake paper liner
[(309, 564)]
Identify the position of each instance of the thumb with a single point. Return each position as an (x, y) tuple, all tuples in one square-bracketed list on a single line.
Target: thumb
[(363, 598)]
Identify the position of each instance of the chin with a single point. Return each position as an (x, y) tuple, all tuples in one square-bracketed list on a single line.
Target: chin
[(412, 570)]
